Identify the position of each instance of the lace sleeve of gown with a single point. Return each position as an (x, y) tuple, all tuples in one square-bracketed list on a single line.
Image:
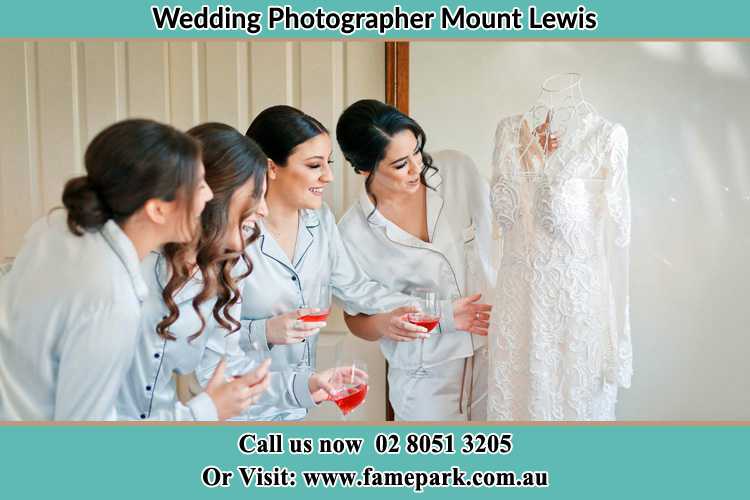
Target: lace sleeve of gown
[(503, 194), (481, 248), (618, 256)]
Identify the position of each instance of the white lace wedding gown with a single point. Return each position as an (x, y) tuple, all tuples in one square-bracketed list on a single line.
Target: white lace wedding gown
[(560, 334)]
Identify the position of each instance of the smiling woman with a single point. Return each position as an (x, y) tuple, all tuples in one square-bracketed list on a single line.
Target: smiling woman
[(298, 253)]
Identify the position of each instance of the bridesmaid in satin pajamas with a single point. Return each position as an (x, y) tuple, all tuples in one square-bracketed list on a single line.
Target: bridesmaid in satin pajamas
[(71, 304), (422, 221), (195, 290)]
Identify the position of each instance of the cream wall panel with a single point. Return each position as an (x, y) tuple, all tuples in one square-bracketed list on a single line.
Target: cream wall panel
[(121, 80), (227, 83), (186, 78), (148, 80), (19, 182), (274, 75), (59, 118), (101, 86)]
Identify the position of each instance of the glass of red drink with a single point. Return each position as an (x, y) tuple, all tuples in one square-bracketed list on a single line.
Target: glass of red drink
[(320, 299), (349, 381), (427, 300)]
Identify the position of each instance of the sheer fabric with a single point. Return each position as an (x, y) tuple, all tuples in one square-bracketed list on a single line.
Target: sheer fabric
[(560, 334)]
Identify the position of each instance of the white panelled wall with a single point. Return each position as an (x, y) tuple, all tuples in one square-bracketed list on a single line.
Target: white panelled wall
[(55, 96)]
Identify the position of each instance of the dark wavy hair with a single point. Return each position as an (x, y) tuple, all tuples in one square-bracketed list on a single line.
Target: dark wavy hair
[(231, 160), (127, 164), (280, 129), (364, 131)]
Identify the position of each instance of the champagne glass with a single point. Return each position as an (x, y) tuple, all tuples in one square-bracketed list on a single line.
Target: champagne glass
[(349, 381), (240, 363), (320, 299), (427, 300)]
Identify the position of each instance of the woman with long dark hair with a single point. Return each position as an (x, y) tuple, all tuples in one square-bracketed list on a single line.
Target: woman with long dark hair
[(196, 289), (421, 221), (299, 250), (70, 308)]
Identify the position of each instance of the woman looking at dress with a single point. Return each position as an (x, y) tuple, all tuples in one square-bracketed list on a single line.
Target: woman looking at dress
[(71, 305), (421, 221)]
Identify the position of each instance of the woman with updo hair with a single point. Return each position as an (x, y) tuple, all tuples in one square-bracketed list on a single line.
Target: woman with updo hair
[(299, 250), (70, 308), (421, 221)]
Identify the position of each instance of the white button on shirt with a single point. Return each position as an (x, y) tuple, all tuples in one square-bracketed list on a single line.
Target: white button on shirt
[(456, 261), (69, 315)]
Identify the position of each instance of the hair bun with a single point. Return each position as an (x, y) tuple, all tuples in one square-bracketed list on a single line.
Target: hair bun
[(86, 210)]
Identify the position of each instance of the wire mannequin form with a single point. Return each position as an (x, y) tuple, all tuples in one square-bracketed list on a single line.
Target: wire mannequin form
[(560, 341), (559, 114)]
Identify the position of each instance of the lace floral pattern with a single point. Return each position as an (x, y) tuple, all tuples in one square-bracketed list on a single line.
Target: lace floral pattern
[(560, 335)]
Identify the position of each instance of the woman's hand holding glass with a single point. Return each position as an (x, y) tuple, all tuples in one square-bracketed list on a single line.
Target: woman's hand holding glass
[(325, 385), (290, 328), (471, 316), (345, 384), (395, 325), (232, 397)]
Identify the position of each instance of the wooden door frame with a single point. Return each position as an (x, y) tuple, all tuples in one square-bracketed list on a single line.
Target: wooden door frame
[(397, 75), (397, 95)]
